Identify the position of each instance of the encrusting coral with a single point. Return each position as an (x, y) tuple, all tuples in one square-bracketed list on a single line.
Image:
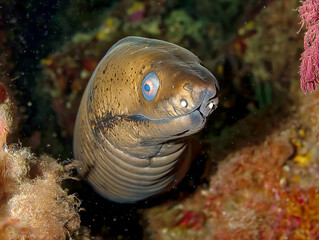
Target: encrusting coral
[(32, 203)]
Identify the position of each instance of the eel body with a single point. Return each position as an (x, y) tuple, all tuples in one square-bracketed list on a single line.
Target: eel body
[(143, 101)]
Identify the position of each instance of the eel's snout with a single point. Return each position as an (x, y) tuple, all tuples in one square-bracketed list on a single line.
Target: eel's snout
[(209, 103), (206, 88)]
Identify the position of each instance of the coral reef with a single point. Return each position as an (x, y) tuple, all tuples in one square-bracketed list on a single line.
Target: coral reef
[(32, 203)]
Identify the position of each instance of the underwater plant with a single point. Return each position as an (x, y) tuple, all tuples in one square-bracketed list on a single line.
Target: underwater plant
[(309, 69)]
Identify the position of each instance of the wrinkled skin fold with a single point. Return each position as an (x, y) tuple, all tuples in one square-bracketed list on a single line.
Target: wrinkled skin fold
[(131, 148)]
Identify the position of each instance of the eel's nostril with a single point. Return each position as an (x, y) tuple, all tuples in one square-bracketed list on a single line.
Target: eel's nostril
[(211, 105), (208, 106), (183, 103)]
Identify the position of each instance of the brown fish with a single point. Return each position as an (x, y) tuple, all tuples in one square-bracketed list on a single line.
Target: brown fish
[(143, 101)]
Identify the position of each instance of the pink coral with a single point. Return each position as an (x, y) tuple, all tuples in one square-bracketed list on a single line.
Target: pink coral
[(309, 12), (309, 69)]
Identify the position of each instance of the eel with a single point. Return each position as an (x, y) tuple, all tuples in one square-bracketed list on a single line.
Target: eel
[(144, 100)]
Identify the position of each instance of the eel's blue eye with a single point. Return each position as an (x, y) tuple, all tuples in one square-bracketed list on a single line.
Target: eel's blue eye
[(150, 86)]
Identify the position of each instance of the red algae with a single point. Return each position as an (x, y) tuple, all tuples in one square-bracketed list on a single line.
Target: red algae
[(192, 220), (309, 69)]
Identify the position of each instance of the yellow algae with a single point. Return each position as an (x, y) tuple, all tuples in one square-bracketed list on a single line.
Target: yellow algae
[(111, 24), (296, 143), (302, 133), (101, 35), (137, 6), (247, 27), (296, 178), (303, 160), (220, 69), (46, 61), (250, 25)]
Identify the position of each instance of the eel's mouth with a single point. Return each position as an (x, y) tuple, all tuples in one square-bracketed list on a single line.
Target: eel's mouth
[(192, 122), (140, 117)]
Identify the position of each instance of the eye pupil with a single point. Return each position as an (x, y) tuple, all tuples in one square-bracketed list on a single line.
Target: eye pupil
[(147, 87)]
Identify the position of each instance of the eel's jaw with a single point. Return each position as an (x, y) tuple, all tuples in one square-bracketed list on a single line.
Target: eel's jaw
[(167, 129), (197, 123), (175, 128)]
